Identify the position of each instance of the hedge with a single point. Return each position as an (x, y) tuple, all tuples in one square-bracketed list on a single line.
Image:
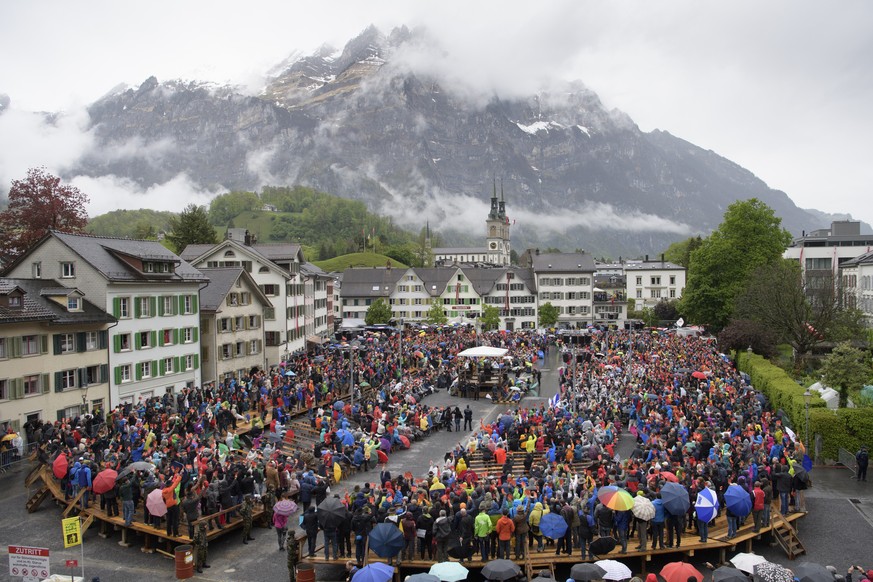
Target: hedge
[(846, 428)]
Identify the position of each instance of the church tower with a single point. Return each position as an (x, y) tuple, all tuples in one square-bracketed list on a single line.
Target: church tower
[(497, 229)]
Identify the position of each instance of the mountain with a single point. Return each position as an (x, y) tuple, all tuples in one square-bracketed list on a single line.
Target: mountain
[(374, 122)]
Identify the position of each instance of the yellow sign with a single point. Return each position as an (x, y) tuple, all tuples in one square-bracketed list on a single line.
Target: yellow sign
[(72, 533)]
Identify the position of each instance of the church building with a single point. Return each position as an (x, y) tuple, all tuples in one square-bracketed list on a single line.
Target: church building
[(497, 246)]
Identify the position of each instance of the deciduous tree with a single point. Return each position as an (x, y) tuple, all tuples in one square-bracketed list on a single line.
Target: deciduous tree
[(845, 369), (378, 312), (191, 227), (436, 315), (37, 204), (490, 318), (548, 314)]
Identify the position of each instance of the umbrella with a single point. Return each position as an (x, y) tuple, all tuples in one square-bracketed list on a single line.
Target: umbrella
[(738, 501), (500, 570), (747, 562), (706, 505), (405, 441), (375, 572), (543, 577), (587, 572), (59, 466), (383, 458), (483, 352), (422, 577), (456, 549), (668, 476), (614, 498), (104, 481), (602, 546), (812, 572), (680, 572), (364, 384), (285, 507), (614, 570), (643, 508), (338, 405), (331, 512), (155, 503), (675, 498), (553, 526), (728, 574), (699, 375), (449, 571), (137, 466), (386, 540), (770, 572), (290, 373)]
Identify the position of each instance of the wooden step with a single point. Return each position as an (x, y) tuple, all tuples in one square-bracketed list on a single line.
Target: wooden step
[(533, 567), (87, 523), (786, 535), (32, 477), (36, 499), (73, 503)]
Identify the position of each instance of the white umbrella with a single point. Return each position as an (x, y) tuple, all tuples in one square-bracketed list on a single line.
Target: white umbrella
[(483, 352), (449, 571), (614, 570), (746, 562)]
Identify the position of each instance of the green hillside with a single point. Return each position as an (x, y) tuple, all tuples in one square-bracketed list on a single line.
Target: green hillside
[(344, 262)]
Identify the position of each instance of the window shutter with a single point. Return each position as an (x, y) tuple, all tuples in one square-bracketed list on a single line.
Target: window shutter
[(102, 339), (154, 338), (104, 373), (177, 364), (175, 336), (161, 368), (196, 361), (153, 306), (160, 305), (180, 300), (17, 386), (194, 303), (156, 368), (174, 308), (116, 307), (195, 334), (58, 380), (137, 302), (80, 342), (137, 340), (43, 344), (57, 341), (161, 339), (118, 375), (15, 347), (44, 381), (83, 377), (116, 343), (138, 372)]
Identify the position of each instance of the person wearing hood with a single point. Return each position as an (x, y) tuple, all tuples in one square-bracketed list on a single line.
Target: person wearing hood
[(442, 531), (482, 527), (536, 515)]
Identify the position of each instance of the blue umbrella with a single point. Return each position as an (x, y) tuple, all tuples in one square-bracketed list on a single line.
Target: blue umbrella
[(675, 498), (706, 505), (386, 540), (737, 500), (553, 526), (375, 572), (339, 404), (290, 373)]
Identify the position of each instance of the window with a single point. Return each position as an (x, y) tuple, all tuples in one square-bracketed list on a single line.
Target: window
[(92, 340), (189, 362), (144, 306), (124, 307), (270, 313), (656, 280), (149, 267), (672, 279), (167, 336), (168, 365), (31, 385), (233, 299), (639, 293), (270, 290), (253, 322), (3, 348), (245, 298), (226, 351), (124, 342), (656, 293), (639, 280), (74, 304), (224, 324), (145, 338), (239, 322), (254, 347), (188, 335), (188, 304), (14, 301), (68, 379), (36, 270), (94, 375), (4, 390), (168, 305), (68, 269), (672, 294), (29, 345), (146, 369), (67, 343), (240, 349)]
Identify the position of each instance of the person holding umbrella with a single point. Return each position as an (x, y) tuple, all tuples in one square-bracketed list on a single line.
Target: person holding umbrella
[(281, 511)]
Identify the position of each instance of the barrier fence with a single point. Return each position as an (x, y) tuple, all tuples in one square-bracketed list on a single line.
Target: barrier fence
[(847, 459)]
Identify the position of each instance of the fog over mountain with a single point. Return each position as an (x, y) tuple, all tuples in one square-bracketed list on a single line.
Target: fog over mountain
[(393, 120)]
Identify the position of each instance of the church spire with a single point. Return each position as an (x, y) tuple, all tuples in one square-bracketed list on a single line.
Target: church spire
[(501, 210)]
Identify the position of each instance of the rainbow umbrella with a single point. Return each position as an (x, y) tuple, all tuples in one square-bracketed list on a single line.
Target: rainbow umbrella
[(616, 499)]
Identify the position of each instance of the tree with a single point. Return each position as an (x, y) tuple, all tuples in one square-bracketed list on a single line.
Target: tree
[(845, 369), (191, 227), (741, 334), (801, 311), (680, 252), (378, 312), (490, 318), (224, 208), (37, 204), (750, 236), (436, 315), (548, 315), (666, 310)]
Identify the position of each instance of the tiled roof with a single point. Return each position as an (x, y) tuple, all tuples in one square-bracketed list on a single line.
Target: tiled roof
[(370, 282), (221, 281), (36, 305), (562, 262)]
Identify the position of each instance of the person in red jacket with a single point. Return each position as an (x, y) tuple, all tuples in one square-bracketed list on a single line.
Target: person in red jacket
[(758, 505), (504, 528), (171, 500)]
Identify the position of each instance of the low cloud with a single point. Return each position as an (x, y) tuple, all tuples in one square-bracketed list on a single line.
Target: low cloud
[(108, 193)]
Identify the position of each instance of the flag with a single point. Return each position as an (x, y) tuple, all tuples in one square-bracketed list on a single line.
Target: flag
[(553, 401), (506, 305), (457, 291)]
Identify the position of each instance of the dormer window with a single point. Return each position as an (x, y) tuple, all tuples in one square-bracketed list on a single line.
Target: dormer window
[(148, 267), (15, 301), (74, 304)]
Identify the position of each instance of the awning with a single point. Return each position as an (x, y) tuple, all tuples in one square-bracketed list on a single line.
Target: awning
[(314, 339)]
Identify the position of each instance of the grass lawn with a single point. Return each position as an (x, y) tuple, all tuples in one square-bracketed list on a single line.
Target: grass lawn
[(344, 262)]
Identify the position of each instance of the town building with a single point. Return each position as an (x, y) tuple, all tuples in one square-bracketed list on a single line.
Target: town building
[(497, 249), (856, 278), (153, 294), (566, 280), (231, 324), (648, 282), (54, 361)]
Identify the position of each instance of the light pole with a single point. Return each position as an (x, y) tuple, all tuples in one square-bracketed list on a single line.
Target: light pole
[(400, 351), (353, 347), (807, 397)]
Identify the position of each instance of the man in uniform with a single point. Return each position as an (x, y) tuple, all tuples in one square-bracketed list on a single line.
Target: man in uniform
[(246, 513), (269, 500), (201, 545), (292, 549)]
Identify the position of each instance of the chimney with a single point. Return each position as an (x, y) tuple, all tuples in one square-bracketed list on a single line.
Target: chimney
[(538, 252), (662, 259), (647, 258), (247, 240)]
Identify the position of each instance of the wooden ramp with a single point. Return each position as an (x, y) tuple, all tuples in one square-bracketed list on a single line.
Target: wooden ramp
[(786, 535)]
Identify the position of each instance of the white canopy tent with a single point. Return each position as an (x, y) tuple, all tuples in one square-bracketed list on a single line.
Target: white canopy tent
[(483, 352)]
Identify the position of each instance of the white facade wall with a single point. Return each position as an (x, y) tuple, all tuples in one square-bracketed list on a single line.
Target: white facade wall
[(460, 298), (410, 300), (570, 292), (648, 284)]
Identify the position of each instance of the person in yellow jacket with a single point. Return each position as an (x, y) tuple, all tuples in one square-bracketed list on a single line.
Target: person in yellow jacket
[(536, 515), (531, 444), (423, 423), (461, 465)]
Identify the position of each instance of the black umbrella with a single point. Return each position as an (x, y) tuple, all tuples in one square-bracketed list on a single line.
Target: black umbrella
[(675, 498), (810, 571), (728, 574), (587, 572), (500, 570), (458, 550), (331, 512), (386, 540), (602, 546)]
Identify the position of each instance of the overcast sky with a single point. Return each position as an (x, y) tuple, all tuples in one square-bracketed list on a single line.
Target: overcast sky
[(783, 88)]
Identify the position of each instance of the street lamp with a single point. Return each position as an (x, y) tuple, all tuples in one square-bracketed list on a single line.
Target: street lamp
[(353, 347), (807, 397)]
